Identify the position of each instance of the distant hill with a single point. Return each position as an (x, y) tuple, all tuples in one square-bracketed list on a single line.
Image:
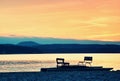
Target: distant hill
[(79, 48), (58, 48), (14, 49), (28, 44), (40, 40)]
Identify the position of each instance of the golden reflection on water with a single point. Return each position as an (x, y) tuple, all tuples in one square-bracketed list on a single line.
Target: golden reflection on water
[(106, 60)]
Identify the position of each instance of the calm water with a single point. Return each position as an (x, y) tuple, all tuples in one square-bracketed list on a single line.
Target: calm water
[(33, 62)]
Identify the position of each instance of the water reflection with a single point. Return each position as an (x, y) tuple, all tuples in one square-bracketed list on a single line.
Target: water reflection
[(33, 62)]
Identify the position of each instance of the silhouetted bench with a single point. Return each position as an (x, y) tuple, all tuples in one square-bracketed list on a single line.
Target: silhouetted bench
[(88, 60), (61, 62)]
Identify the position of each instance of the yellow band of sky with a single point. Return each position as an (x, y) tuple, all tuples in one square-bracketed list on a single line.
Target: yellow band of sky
[(76, 19)]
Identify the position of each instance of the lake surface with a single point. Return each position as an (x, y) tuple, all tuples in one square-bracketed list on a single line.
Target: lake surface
[(33, 62)]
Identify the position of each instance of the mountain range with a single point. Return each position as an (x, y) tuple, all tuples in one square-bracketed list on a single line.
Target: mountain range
[(40, 40), (23, 45), (29, 47)]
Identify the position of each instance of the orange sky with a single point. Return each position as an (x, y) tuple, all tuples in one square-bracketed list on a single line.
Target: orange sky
[(75, 19)]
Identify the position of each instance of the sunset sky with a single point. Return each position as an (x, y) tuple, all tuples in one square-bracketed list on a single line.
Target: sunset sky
[(70, 19)]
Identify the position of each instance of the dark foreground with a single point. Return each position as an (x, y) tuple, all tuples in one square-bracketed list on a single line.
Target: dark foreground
[(61, 76)]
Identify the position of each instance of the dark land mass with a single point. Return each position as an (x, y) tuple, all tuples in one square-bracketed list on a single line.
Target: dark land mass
[(15, 49), (79, 48), (58, 48)]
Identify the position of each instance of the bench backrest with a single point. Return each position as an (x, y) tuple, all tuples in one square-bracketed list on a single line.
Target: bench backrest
[(88, 58), (60, 60)]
